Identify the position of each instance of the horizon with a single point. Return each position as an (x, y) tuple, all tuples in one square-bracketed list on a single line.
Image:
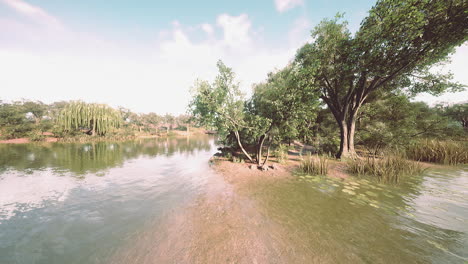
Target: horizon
[(146, 57)]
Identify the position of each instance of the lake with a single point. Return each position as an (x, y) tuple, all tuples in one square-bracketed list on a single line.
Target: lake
[(85, 203)]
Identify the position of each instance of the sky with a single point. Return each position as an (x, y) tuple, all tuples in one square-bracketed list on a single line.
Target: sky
[(145, 55)]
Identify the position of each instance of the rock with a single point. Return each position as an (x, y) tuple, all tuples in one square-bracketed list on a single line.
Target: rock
[(251, 167), (263, 168), (273, 167)]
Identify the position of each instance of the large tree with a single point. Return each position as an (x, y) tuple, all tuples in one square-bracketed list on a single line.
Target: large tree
[(97, 118), (395, 48), (221, 105), (284, 102), (37, 109)]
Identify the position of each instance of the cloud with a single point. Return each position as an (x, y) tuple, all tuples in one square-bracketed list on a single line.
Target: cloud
[(145, 76), (156, 76), (33, 12), (285, 5), (236, 29), (299, 34), (207, 28)]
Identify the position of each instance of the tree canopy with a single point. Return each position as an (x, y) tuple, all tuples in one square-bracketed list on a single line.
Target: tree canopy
[(395, 49), (98, 118)]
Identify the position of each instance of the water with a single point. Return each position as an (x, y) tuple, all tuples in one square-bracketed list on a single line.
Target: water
[(423, 220), (78, 203), (83, 203)]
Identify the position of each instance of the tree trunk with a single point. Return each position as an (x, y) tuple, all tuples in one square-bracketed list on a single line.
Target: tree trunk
[(259, 149), (241, 147), (347, 131), (351, 132), (344, 150), (268, 152)]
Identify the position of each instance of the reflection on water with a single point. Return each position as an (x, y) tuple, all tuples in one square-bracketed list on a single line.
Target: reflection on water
[(76, 203), (424, 220), (92, 157), (80, 203)]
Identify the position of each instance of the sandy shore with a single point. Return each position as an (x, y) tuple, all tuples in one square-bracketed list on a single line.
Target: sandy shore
[(224, 225)]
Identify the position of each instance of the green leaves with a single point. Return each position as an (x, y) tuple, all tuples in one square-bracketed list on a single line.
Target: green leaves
[(99, 118), (219, 105)]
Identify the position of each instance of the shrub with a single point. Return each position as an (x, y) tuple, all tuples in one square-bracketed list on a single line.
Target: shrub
[(317, 165), (389, 169), (444, 152), (36, 136), (281, 153)]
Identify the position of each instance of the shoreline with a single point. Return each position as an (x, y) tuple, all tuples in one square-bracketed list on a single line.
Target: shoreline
[(84, 139)]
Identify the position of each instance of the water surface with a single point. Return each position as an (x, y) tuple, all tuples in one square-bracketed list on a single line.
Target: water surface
[(422, 220), (84, 203), (79, 203)]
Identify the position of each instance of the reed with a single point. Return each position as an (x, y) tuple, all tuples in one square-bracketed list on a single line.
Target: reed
[(314, 165), (444, 152), (389, 169)]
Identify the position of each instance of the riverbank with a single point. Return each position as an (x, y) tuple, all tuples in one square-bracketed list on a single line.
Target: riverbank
[(49, 137), (225, 224)]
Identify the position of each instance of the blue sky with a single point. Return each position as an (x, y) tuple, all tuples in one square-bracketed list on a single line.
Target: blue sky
[(145, 55)]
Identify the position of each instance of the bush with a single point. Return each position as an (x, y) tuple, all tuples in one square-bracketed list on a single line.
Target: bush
[(36, 136), (389, 169), (17, 131), (444, 152), (281, 153), (317, 165)]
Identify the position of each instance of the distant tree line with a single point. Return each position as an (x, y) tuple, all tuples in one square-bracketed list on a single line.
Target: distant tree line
[(35, 119)]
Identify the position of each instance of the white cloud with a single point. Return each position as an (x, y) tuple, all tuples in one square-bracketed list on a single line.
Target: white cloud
[(153, 76), (285, 5), (236, 29), (156, 77), (207, 28), (300, 32), (33, 12)]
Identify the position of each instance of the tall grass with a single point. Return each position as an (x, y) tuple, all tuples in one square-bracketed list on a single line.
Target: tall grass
[(444, 152), (317, 165), (389, 169)]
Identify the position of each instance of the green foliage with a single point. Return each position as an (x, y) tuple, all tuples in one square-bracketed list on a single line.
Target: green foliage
[(281, 153), (311, 165), (99, 118), (445, 152), (389, 169), (395, 121), (457, 113), (283, 100), (36, 136), (219, 105), (394, 49), (36, 109)]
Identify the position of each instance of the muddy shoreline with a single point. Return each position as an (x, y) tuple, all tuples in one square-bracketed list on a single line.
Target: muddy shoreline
[(226, 224)]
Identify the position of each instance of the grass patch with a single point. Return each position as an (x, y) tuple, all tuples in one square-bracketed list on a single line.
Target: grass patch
[(314, 165), (389, 169), (444, 152)]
